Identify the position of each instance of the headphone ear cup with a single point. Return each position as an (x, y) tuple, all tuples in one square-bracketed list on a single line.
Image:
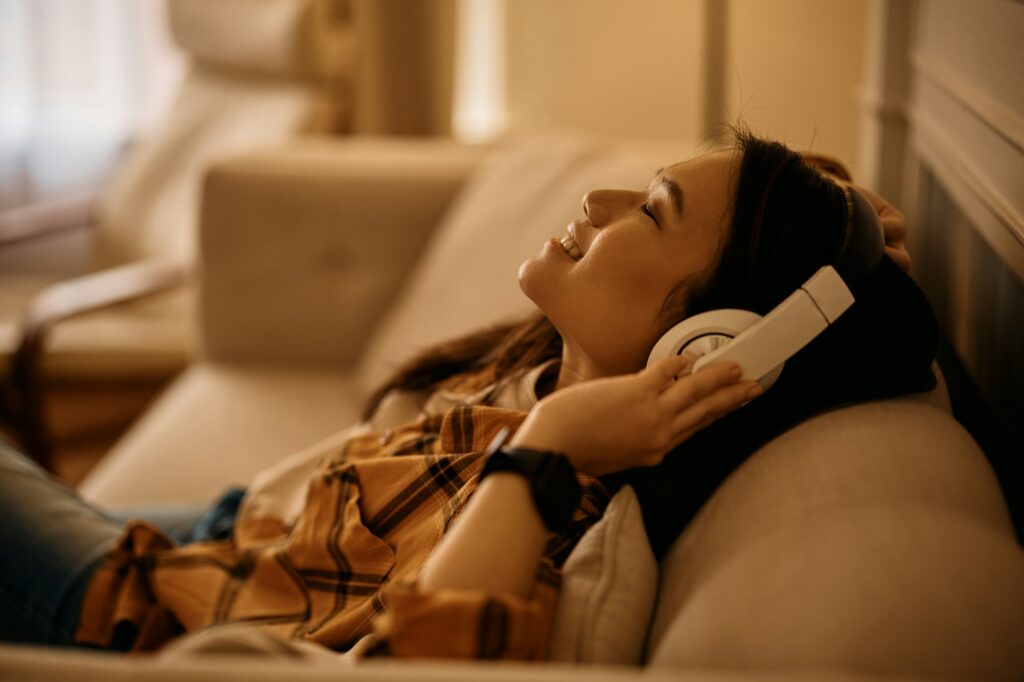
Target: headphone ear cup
[(703, 333)]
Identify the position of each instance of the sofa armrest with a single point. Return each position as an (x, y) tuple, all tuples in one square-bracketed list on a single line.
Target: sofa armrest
[(302, 249), (45, 218), (24, 400)]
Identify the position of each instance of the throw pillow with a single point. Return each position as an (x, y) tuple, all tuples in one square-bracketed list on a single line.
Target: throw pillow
[(609, 585)]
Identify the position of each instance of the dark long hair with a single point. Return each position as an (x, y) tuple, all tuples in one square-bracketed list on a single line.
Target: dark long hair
[(788, 220), (507, 349)]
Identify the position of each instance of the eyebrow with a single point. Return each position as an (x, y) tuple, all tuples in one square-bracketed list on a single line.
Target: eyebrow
[(675, 193)]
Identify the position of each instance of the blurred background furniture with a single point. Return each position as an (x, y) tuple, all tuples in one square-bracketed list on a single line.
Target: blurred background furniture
[(258, 72)]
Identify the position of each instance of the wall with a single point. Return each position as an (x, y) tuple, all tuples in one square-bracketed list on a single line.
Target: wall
[(680, 68), (608, 67), (963, 191), (794, 69)]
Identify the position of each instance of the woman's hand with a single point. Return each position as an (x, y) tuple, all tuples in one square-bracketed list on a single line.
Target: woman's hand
[(894, 225), (607, 425)]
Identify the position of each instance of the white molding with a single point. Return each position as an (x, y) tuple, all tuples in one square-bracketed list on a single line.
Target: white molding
[(885, 108), (999, 224), (883, 98), (999, 118)]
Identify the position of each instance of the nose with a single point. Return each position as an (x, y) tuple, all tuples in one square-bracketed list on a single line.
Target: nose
[(602, 205)]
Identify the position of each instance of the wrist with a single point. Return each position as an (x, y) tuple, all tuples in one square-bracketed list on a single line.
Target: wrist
[(551, 477), (540, 432)]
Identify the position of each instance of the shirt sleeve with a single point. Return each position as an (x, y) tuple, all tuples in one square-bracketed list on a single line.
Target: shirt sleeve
[(467, 623)]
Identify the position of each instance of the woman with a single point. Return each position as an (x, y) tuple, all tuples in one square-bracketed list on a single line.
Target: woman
[(358, 540)]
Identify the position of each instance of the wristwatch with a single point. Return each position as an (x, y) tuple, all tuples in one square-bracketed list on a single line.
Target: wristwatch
[(553, 484)]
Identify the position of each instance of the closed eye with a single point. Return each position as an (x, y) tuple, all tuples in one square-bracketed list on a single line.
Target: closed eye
[(650, 214)]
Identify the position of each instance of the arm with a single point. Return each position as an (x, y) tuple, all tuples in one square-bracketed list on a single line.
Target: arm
[(494, 546), (603, 426)]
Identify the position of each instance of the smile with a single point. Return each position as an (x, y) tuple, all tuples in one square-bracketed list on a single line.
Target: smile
[(571, 247)]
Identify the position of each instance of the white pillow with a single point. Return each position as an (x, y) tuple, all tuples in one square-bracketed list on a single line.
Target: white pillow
[(609, 584)]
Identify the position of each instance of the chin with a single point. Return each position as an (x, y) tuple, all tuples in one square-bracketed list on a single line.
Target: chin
[(523, 274), (532, 278), (542, 277)]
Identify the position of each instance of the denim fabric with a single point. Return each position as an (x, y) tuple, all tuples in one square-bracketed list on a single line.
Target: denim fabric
[(51, 541), (188, 522)]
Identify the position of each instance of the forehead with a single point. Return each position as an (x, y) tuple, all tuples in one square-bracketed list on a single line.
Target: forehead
[(707, 183)]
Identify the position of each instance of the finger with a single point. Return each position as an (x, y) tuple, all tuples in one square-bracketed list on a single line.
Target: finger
[(691, 359), (664, 372), (895, 226), (713, 407), (692, 387), (892, 218), (900, 256)]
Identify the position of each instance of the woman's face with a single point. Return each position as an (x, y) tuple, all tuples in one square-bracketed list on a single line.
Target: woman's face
[(634, 248)]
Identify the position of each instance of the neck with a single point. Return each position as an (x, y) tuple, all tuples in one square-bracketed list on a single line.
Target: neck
[(576, 366)]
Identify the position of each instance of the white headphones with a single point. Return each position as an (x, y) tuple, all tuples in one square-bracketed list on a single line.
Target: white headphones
[(761, 345)]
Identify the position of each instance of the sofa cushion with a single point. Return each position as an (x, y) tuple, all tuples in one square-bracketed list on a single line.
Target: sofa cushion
[(217, 426), (901, 459), (608, 587), (886, 589), (508, 209)]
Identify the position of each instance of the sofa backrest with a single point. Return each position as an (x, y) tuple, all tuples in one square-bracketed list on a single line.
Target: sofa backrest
[(873, 537)]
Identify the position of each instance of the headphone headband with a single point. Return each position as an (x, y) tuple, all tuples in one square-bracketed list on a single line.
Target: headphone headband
[(864, 241)]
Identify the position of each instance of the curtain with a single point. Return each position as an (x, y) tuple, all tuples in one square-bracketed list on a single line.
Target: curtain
[(78, 79)]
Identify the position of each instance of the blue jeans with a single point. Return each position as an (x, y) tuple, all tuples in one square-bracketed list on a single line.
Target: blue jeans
[(52, 541)]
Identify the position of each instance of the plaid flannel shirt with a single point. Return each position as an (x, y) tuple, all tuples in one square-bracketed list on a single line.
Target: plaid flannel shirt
[(375, 508)]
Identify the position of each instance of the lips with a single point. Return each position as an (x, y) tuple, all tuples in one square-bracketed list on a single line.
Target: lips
[(571, 247), (570, 244)]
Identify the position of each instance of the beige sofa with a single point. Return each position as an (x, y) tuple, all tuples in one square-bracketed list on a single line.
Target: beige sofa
[(869, 541)]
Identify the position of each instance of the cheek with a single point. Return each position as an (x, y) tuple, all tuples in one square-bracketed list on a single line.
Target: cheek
[(621, 300), (630, 286)]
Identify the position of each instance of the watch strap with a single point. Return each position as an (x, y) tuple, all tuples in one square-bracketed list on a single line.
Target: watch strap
[(553, 485)]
